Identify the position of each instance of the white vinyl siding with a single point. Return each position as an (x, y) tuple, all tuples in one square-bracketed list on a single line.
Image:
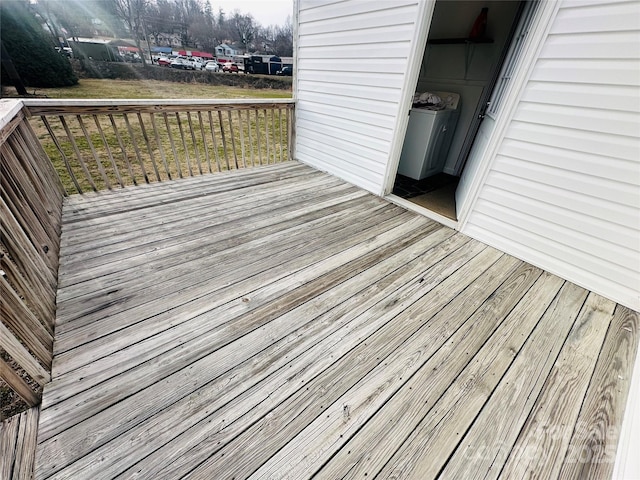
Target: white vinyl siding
[(352, 56), (564, 189)]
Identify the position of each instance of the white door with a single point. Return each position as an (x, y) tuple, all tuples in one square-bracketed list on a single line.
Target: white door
[(495, 107)]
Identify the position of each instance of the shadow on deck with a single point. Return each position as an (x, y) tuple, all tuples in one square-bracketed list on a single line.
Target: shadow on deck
[(280, 323)]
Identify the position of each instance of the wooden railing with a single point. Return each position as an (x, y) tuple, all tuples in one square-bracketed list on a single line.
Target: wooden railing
[(53, 148), (30, 221), (105, 144)]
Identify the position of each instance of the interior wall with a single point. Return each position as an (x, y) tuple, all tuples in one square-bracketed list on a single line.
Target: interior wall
[(465, 69)]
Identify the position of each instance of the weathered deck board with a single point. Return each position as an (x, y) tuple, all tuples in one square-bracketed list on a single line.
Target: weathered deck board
[(18, 442), (279, 323)]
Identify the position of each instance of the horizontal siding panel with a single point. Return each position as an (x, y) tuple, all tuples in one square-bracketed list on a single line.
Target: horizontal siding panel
[(381, 52), (333, 156), (352, 57), (398, 15), (566, 4), (356, 117), (603, 17), (581, 118), (611, 168), (609, 72), (355, 91), (344, 65), (606, 97), (624, 194), (390, 80), (362, 142), (365, 157), (624, 245), (307, 117), (588, 142), (311, 10), (398, 33), (320, 4), (536, 234), (624, 44), (380, 107), (360, 177), (561, 262), (620, 215)]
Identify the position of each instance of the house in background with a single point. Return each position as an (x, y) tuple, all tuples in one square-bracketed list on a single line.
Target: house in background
[(545, 155), (166, 39), (224, 50)]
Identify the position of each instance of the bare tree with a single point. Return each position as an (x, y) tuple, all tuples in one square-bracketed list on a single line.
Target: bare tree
[(245, 27), (132, 14)]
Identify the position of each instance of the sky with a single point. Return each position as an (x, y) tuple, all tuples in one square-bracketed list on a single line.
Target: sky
[(266, 12)]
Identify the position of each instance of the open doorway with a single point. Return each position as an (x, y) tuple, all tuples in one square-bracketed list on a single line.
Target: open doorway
[(467, 47)]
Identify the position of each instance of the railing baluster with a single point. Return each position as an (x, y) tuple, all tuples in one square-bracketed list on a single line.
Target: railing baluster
[(124, 150), (266, 134), (64, 157), (273, 132), (289, 133), (258, 135), (108, 149), (215, 143), (204, 141), (146, 140), (173, 145), (250, 136), (159, 143), (280, 131), (31, 213), (224, 142), (233, 138), (195, 144), (74, 145), (93, 152), (246, 139), (241, 126), (184, 144), (135, 147)]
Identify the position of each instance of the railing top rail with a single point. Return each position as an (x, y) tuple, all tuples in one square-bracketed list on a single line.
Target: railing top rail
[(151, 101), (106, 106)]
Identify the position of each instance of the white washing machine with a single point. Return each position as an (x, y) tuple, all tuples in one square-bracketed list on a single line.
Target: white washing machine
[(428, 138)]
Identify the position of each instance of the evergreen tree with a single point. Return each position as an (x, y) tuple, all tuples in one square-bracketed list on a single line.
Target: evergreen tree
[(31, 49)]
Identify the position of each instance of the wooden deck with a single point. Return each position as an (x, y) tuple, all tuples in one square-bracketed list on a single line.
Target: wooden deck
[(279, 323)]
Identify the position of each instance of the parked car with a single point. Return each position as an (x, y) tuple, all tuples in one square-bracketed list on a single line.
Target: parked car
[(286, 71), (164, 62), (180, 64), (230, 68), (196, 62), (212, 66), (185, 64)]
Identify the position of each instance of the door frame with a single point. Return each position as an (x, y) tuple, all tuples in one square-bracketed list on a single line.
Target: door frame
[(541, 24)]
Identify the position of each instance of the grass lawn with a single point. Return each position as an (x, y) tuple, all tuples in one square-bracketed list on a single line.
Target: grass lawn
[(136, 89)]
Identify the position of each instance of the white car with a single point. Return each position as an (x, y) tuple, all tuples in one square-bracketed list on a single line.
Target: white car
[(182, 64), (197, 63), (212, 66)]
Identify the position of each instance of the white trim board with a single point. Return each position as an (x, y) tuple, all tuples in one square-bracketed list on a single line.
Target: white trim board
[(545, 15), (425, 212), (422, 26)]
